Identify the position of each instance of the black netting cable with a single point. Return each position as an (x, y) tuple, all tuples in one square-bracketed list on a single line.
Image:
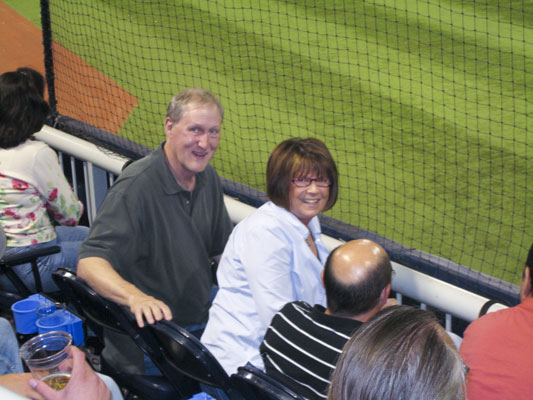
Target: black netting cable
[(48, 56)]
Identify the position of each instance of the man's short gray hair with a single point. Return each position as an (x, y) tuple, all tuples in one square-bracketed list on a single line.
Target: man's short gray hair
[(178, 104)]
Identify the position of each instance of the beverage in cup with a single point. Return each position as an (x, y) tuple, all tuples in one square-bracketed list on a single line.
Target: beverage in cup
[(48, 358)]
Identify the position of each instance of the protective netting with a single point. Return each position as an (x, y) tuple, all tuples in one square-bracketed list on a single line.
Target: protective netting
[(426, 105)]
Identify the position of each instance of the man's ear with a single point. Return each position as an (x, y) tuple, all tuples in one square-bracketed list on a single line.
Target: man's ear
[(322, 278), (168, 125), (525, 285), (385, 293)]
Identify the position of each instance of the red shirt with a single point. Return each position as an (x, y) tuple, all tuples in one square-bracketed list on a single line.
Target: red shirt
[(498, 349)]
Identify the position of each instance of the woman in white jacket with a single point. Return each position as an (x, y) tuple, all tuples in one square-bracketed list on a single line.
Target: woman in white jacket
[(275, 255)]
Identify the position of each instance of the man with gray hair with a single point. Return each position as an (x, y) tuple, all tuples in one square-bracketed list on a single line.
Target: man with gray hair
[(303, 343), (161, 223)]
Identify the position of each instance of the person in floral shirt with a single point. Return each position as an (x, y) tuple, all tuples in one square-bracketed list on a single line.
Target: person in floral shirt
[(37, 205)]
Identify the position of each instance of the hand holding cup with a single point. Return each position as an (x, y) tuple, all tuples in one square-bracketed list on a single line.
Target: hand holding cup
[(48, 357)]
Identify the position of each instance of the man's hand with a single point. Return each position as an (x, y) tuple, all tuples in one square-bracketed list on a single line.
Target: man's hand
[(101, 276), (142, 305), (84, 384), (18, 383)]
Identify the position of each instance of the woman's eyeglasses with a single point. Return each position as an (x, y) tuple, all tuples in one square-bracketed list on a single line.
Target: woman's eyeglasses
[(304, 182)]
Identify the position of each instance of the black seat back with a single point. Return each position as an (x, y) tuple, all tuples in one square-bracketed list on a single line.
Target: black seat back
[(102, 313), (254, 384), (189, 356), (97, 311)]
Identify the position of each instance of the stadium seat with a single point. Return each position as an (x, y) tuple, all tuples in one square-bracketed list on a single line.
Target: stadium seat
[(191, 358), (102, 313), (254, 384), (9, 262)]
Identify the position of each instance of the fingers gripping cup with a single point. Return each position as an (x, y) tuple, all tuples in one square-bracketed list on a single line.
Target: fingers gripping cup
[(48, 358)]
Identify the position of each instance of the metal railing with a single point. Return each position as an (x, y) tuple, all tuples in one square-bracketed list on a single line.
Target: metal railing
[(100, 168)]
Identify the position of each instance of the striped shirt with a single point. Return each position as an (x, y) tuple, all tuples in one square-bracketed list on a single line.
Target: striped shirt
[(302, 345)]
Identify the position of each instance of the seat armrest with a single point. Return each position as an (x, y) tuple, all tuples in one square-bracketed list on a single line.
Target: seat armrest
[(30, 255)]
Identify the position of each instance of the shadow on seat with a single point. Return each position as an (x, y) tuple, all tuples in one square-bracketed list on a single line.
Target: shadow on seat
[(254, 384), (101, 313), (191, 358), (9, 262)]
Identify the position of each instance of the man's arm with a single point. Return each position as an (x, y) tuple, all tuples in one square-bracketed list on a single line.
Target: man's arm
[(101, 276), (18, 383)]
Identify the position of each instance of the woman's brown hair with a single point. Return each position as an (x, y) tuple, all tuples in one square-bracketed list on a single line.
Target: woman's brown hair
[(294, 158)]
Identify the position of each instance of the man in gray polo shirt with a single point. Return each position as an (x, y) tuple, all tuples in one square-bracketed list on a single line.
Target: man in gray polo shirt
[(159, 226)]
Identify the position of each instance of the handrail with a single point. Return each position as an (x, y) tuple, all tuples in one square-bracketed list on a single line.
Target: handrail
[(81, 149), (416, 285)]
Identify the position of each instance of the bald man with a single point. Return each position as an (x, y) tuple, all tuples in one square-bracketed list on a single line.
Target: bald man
[(303, 342)]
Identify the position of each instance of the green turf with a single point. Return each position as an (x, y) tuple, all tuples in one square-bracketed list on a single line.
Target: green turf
[(425, 105), (30, 9)]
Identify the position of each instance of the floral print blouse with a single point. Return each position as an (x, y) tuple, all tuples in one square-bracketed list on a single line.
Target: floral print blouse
[(34, 193)]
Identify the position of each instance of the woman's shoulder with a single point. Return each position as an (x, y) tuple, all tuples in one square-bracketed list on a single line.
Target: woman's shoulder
[(27, 147), (268, 218), (40, 153), (29, 156), (35, 145), (268, 214)]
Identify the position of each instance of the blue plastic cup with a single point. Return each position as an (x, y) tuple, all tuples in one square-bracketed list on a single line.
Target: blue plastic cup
[(202, 396), (25, 315), (57, 321)]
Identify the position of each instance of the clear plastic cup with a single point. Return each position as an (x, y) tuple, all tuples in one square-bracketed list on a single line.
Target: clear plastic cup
[(48, 358)]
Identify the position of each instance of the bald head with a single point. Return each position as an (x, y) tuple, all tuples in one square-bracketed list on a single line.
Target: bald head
[(355, 275), (352, 262)]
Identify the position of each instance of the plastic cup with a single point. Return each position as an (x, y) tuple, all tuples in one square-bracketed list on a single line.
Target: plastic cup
[(25, 315), (48, 358), (57, 321), (52, 317)]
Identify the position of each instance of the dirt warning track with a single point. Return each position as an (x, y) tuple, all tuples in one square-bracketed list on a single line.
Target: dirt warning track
[(82, 92)]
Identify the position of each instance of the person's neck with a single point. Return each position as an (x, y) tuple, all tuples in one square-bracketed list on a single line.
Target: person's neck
[(529, 296), (304, 221), (186, 180), (363, 317)]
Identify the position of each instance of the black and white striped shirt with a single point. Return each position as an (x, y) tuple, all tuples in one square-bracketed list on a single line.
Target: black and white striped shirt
[(302, 345)]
